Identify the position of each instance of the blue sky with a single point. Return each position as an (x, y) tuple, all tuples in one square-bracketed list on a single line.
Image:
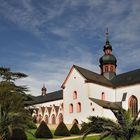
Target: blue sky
[(44, 38)]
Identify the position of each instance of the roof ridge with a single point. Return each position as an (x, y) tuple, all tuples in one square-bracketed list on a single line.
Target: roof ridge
[(86, 69), (49, 93), (92, 76), (127, 72)]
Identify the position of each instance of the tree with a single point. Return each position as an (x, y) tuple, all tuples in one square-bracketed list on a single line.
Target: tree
[(18, 134), (125, 128), (12, 112)]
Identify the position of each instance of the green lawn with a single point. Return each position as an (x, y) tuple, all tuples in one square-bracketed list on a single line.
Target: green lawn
[(31, 137)]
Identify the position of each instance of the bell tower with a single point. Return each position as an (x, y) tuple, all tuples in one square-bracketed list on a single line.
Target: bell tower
[(108, 62), (44, 90)]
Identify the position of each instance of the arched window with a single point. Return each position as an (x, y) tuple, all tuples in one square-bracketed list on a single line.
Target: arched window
[(39, 118), (103, 96), (75, 95), (71, 108), (53, 119), (111, 68), (106, 68), (78, 107), (133, 105), (46, 119), (60, 118)]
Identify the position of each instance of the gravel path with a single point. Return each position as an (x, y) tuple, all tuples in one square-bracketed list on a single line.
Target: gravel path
[(69, 138)]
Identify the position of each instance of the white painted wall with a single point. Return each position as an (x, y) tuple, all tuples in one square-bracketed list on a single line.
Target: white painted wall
[(76, 82), (130, 90), (95, 91)]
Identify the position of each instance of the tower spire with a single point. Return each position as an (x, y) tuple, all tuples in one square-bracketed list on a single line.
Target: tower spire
[(108, 60), (107, 36), (44, 90)]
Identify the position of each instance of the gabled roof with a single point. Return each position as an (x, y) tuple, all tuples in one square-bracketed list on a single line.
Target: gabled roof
[(93, 77), (90, 76), (124, 79), (107, 104), (56, 108), (49, 109), (128, 78), (42, 109), (53, 96)]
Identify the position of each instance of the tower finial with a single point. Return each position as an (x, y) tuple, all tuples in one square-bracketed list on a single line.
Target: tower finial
[(107, 35), (44, 89)]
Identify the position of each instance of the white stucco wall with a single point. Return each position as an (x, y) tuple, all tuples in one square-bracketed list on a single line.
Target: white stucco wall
[(130, 90), (76, 82), (95, 91)]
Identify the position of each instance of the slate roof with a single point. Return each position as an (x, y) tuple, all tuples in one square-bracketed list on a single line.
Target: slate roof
[(107, 104), (124, 79), (93, 77), (53, 96), (128, 78)]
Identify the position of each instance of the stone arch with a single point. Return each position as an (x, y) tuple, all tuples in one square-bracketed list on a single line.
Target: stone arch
[(60, 117), (53, 119), (46, 119), (133, 105), (39, 118)]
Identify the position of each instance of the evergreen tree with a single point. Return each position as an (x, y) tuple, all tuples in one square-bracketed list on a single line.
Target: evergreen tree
[(12, 112), (18, 134), (43, 131), (62, 130), (75, 129)]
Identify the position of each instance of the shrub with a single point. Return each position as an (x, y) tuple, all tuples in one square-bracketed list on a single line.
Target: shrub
[(84, 128), (96, 126), (32, 125), (43, 131), (62, 130), (18, 134), (75, 129)]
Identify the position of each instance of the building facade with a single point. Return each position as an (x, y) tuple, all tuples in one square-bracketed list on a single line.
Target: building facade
[(86, 93)]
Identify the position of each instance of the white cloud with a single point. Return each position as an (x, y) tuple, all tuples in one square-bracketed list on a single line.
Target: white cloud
[(53, 71), (73, 21)]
